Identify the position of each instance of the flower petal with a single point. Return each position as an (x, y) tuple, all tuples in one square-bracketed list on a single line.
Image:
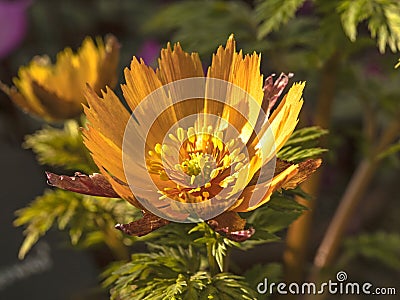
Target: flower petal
[(104, 136), (143, 226), (305, 169), (272, 90), (229, 221), (282, 124), (276, 184), (243, 105), (95, 184), (231, 225), (107, 64), (176, 64)]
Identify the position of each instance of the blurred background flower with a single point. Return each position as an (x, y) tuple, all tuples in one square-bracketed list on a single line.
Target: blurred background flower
[(56, 91)]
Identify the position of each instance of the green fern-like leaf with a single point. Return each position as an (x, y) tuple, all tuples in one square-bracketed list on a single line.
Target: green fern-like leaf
[(217, 19), (383, 18), (61, 148), (381, 246), (81, 215), (171, 273), (218, 243), (395, 148), (274, 13), (301, 145), (276, 215)]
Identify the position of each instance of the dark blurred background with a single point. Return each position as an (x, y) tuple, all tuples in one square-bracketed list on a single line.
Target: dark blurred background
[(313, 45)]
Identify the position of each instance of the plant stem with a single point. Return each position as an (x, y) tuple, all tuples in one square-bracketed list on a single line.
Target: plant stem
[(355, 189), (351, 197), (298, 233)]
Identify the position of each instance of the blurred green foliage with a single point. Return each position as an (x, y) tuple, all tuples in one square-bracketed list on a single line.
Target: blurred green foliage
[(88, 220), (380, 246), (61, 148)]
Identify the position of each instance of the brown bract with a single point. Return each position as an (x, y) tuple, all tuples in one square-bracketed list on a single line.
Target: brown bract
[(94, 185)]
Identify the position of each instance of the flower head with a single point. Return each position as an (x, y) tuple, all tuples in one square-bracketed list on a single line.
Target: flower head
[(56, 91), (216, 158)]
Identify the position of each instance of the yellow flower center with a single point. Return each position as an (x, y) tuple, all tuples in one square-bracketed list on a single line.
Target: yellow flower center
[(198, 166), (205, 165)]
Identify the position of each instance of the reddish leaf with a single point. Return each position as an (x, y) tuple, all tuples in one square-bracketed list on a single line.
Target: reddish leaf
[(231, 225), (242, 235), (143, 226), (306, 168), (95, 184), (272, 90)]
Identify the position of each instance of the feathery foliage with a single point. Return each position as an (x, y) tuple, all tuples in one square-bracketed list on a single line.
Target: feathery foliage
[(172, 273), (381, 246), (61, 148), (83, 216), (218, 243), (273, 14), (274, 216), (301, 144), (382, 17), (220, 18)]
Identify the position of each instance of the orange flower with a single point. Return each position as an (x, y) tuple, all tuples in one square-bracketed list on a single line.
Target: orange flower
[(56, 92), (208, 163)]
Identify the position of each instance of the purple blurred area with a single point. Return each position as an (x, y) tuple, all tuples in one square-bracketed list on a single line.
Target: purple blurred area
[(13, 25), (149, 52)]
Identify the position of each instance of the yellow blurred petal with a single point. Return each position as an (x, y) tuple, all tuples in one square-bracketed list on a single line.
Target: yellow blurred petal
[(107, 64), (33, 106), (56, 91)]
